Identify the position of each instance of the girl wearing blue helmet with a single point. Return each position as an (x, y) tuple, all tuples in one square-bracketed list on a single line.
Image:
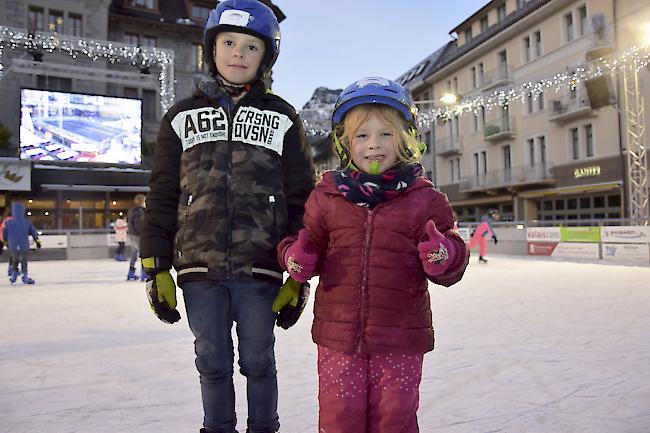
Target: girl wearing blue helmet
[(376, 231), (231, 173)]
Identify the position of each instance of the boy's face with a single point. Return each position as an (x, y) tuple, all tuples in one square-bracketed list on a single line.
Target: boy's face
[(373, 147), (238, 56)]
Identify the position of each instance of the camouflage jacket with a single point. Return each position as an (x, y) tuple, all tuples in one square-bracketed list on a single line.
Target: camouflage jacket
[(227, 184)]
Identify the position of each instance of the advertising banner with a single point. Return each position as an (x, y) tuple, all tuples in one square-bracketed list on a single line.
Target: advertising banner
[(541, 248), (626, 234), (543, 234), (626, 252), (580, 234), (464, 233), (577, 250), (50, 241)]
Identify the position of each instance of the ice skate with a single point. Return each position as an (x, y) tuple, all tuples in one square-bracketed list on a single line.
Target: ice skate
[(13, 276), (482, 259), (27, 280), (143, 275), (132, 275)]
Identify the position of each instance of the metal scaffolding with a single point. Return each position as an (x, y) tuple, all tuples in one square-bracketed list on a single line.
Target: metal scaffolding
[(637, 160)]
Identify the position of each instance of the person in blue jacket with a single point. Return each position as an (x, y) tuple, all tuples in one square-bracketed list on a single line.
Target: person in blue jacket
[(16, 234)]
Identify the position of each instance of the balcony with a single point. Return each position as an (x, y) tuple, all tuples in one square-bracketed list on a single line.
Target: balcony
[(502, 129), (568, 109), (450, 145), (508, 178), (501, 76)]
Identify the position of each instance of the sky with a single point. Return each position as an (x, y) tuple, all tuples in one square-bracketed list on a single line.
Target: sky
[(334, 43)]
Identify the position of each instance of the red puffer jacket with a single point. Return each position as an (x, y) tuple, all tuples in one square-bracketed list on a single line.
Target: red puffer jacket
[(372, 296)]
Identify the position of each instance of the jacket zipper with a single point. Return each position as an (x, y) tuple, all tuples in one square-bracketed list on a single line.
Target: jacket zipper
[(229, 200), (275, 219), (361, 342)]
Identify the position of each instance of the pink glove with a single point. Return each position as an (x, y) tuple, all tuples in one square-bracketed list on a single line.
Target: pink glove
[(437, 253), (301, 258)]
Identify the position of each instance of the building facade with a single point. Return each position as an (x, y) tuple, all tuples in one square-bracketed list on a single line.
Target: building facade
[(551, 155), (67, 196)]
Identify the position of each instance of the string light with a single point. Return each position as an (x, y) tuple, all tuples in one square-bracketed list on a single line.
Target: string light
[(114, 52), (632, 58)]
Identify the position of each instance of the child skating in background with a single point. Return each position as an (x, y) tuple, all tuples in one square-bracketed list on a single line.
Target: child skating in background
[(15, 233), (376, 231), (482, 230)]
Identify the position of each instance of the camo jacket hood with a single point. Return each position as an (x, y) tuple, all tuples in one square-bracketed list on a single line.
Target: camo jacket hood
[(228, 182)]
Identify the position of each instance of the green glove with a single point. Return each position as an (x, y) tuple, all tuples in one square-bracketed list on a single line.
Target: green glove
[(290, 302), (161, 291)]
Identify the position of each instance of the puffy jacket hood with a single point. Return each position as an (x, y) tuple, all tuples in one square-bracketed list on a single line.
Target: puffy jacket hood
[(17, 210)]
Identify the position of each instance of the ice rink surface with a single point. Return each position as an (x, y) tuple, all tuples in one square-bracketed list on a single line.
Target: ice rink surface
[(522, 346)]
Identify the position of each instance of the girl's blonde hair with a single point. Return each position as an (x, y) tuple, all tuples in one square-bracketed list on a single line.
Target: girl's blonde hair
[(408, 146)]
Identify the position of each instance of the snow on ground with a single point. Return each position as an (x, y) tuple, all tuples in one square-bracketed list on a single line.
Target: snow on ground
[(522, 346)]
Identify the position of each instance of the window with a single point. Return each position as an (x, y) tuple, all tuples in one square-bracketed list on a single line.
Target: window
[(456, 85), (481, 73), (468, 35), (149, 105), (483, 116), (582, 12), (476, 122), (197, 57), (537, 38), (484, 160), (473, 77), (614, 200), (542, 151), (503, 64), (477, 167), (521, 4), (585, 202), (456, 123), (507, 163), (575, 143), (458, 168), (568, 27), (74, 22), (147, 4), (55, 21), (501, 12), (529, 100), (540, 101), (452, 168), (131, 39), (531, 151), (484, 24), (130, 92), (589, 139), (45, 82), (148, 41), (200, 12), (35, 19), (526, 47)]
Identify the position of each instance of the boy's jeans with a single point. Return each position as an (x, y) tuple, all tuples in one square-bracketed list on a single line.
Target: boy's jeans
[(211, 307)]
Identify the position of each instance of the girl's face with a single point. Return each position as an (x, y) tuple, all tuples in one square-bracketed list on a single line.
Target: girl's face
[(373, 147)]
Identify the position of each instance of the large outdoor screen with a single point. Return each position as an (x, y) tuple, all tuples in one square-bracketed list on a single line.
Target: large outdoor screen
[(60, 126)]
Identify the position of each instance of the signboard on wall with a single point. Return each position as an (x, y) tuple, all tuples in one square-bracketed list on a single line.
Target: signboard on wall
[(626, 234), (464, 233), (574, 250), (15, 175), (626, 252), (580, 234), (543, 234)]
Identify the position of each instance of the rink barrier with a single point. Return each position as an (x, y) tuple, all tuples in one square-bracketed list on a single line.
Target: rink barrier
[(625, 244), (621, 242)]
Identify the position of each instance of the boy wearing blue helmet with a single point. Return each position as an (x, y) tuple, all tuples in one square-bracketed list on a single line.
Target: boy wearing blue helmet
[(376, 231), (231, 173)]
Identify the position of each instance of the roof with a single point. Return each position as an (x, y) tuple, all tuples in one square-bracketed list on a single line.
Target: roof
[(456, 52), (473, 17), (414, 75)]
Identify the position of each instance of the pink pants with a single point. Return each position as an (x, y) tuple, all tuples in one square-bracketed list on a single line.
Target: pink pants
[(368, 393), (482, 243)]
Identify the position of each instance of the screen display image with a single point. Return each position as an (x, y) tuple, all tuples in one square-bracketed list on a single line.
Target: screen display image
[(60, 126)]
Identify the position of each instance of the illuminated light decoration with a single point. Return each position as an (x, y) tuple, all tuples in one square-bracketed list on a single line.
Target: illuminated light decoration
[(115, 52), (634, 58)]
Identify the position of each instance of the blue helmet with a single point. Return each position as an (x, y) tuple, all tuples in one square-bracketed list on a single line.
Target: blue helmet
[(374, 90), (243, 16), (371, 90)]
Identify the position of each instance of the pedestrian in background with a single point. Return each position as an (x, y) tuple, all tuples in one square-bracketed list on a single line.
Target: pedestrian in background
[(121, 236), (135, 218)]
